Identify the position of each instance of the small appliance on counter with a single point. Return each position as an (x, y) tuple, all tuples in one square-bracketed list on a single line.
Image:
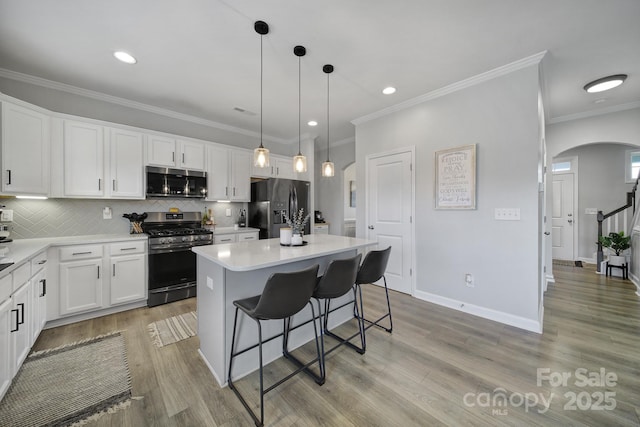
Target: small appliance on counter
[(318, 217), (242, 220)]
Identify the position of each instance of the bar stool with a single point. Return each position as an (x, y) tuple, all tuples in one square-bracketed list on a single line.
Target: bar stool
[(372, 269), (284, 295), (337, 280)]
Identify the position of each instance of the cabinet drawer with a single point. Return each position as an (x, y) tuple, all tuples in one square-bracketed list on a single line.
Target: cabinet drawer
[(126, 248), (38, 262), (6, 287), (21, 275), (224, 238), (71, 253), (243, 237)]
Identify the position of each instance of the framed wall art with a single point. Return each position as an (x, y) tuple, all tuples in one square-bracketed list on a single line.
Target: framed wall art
[(455, 183)]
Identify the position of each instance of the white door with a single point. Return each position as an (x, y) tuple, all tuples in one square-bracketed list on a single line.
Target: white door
[(191, 155), (80, 286), (389, 196), (83, 159), (127, 164), (127, 279), (562, 217)]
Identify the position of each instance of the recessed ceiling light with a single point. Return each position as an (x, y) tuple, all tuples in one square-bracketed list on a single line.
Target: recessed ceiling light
[(125, 57), (389, 90), (312, 123), (605, 83)]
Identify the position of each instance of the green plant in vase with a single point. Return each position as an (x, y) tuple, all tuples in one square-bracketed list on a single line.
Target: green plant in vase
[(297, 222), (618, 243)]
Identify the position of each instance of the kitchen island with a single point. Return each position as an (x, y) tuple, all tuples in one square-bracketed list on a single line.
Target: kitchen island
[(228, 272)]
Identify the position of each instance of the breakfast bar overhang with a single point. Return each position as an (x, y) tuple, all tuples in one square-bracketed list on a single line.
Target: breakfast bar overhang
[(227, 272)]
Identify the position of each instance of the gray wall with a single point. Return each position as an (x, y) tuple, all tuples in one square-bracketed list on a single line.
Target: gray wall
[(329, 191), (501, 117), (601, 185)]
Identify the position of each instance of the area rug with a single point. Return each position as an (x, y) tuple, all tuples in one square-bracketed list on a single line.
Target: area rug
[(173, 329), (69, 385)]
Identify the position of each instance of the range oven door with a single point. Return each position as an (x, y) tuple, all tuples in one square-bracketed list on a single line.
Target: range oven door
[(172, 276)]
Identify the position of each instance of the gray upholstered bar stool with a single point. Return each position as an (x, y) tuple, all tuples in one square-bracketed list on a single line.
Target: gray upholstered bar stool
[(372, 269), (337, 280), (284, 295)]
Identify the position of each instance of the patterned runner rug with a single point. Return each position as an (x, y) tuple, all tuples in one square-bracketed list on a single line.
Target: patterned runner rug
[(173, 329), (71, 384)]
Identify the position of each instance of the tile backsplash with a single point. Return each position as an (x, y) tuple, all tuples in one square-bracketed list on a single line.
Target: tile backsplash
[(76, 217)]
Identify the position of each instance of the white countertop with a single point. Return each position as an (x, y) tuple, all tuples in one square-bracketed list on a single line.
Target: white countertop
[(232, 230), (256, 254), (21, 250)]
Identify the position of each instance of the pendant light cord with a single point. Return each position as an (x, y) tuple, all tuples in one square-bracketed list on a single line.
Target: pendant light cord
[(299, 105), (327, 117), (261, 37)]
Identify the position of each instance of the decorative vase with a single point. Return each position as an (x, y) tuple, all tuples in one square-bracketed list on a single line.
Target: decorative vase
[(296, 239), (285, 236)]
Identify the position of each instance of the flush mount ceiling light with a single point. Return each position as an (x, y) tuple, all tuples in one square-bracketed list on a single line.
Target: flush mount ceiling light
[(299, 161), (605, 83), (261, 154), (312, 123), (389, 90), (125, 57), (328, 169)]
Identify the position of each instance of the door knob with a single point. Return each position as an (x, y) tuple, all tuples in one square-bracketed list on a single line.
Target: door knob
[(371, 227), (569, 221), (546, 233), (569, 214)]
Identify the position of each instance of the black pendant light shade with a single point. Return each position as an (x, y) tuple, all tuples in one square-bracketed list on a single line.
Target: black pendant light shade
[(328, 169), (299, 161), (261, 154)]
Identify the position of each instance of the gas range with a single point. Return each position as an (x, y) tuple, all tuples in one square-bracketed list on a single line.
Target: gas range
[(175, 231)]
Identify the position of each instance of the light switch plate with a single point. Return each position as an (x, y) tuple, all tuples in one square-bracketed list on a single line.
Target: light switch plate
[(507, 214), (591, 211), (106, 213)]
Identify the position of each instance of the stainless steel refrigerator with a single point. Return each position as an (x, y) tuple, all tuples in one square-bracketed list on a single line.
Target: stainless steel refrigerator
[(273, 200)]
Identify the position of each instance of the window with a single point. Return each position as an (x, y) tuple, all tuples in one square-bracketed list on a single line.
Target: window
[(564, 166), (632, 165)]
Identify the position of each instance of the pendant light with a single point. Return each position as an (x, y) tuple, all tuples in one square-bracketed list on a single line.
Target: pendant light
[(299, 161), (261, 154), (328, 169)]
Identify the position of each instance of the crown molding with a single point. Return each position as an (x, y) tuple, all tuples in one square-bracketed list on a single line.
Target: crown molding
[(593, 113), (446, 90), (63, 87)]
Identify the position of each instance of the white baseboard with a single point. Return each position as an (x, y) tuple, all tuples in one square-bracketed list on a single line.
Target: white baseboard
[(93, 314), (487, 313), (636, 281), (587, 260), (549, 279)]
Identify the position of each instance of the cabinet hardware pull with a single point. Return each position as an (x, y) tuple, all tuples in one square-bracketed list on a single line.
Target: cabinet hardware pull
[(173, 156), (9, 177), (17, 324), (44, 261), (99, 184), (271, 170), (226, 191), (82, 253), (44, 287), (98, 271), (114, 270), (234, 191), (21, 322), (127, 249), (183, 158), (278, 170), (114, 185)]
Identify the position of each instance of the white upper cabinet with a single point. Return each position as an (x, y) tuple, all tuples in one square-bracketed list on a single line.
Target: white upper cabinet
[(126, 153), (83, 159), (25, 150), (169, 152), (280, 167), (229, 174)]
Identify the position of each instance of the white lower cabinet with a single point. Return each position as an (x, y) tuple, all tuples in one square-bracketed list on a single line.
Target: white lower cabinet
[(128, 272), (20, 328), (6, 325), (39, 304), (81, 286)]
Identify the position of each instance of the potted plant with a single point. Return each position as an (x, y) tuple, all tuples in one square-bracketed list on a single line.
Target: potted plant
[(618, 243)]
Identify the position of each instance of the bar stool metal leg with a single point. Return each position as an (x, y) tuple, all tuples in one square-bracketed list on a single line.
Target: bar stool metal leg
[(318, 378), (388, 314)]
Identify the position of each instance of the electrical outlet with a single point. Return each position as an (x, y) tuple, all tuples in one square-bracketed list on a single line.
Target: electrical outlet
[(468, 279), (106, 213), (228, 212), (7, 215)]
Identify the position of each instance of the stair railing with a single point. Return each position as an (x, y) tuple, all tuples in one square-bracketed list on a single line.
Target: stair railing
[(601, 217)]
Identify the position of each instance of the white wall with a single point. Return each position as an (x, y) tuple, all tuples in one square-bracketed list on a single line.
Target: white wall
[(501, 117)]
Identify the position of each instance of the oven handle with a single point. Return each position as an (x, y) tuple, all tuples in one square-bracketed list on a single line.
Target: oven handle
[(153, 251), (172, 288)]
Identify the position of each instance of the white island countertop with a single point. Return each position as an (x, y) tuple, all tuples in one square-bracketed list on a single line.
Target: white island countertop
[(257, 254)]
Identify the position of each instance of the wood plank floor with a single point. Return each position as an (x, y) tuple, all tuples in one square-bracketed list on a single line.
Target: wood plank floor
[(439, 367)]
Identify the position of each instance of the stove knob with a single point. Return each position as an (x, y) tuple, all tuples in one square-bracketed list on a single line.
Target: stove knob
[(169, 239), (185, 238), (162, 241)]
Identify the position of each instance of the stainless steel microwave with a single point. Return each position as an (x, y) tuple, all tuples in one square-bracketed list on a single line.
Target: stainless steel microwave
[(176, 183)]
